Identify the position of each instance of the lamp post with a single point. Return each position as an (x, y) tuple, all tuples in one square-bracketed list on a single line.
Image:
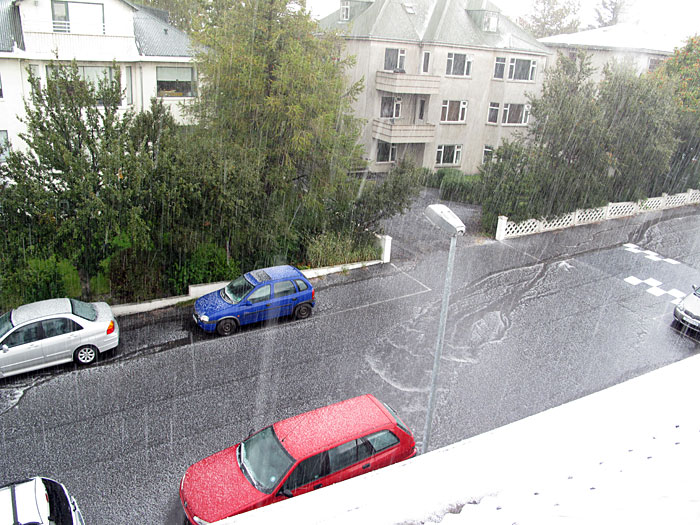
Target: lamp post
[(445, 219)]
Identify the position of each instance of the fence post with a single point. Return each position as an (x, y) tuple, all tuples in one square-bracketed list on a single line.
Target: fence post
[(501, 228)]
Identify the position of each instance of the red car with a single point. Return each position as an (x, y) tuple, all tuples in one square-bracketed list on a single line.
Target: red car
[(294, 456)]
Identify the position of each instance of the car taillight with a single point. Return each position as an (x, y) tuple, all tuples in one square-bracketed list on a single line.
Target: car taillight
[(313, 293), (110, 328)]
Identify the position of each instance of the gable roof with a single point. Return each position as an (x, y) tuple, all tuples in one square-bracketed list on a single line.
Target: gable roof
[(452, 22), (154, 35)]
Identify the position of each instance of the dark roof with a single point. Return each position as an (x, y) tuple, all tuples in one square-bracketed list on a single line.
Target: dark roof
[(452, 22), (154, 36)]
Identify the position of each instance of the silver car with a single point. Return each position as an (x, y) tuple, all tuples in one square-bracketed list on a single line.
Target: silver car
[(688, 310), (40, 501), (55, 331)]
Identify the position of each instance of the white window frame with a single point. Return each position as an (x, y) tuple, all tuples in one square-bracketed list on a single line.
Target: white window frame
[(400, 59), (344, 10), (395, 107), (531, 70), (450, 68), (500, 61), (440, 156), (425, 64), (162, 70), (487, 155), (392, 152), (490, 23), (461, 113), (493, 106), (525, 115)]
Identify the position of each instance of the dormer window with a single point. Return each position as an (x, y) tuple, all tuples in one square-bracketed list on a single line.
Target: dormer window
[(78, 17), (61, 22), (490, 22), (344, 10)]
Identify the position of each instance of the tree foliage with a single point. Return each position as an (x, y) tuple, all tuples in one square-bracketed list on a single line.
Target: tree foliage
[(608, 12), (551, 17), (588, 145)]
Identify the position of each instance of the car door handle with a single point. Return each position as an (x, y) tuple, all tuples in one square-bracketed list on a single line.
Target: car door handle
[(318, 486), (365, 466)]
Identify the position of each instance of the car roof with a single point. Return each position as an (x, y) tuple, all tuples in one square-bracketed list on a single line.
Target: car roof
[(274, 273), (28, 497), (325, 427), (28, 312)]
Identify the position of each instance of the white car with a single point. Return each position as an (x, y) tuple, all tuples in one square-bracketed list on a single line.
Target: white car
[(55, 331), (688, 310), (39, 501)]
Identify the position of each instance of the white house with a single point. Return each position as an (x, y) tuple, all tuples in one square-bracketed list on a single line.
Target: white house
[(154, 57), (445, 80)]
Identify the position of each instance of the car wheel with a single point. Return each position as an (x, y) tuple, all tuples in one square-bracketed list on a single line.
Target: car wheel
[(302, 311), (85, 355), (227, 327)]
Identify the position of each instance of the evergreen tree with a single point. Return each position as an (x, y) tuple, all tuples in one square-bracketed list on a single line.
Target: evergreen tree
[(551, 17)]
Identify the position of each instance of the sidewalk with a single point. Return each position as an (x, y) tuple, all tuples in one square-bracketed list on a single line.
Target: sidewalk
[(627, 454)]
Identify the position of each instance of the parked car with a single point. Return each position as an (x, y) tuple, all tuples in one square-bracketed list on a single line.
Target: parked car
[(55, 331), (687, 312), (38, 501), (294, 456), (256, 296)]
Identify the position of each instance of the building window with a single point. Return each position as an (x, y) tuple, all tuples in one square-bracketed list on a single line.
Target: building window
[(1, 87), (516, 114), (426, 62), (458, 65), (521, 69), (488, 154), (394, 59), (345, 10), (493, 113), (421, 109), (654, 63), (490, 22), (4, 144), (78, 17), (386, 152), (500, 68), (175, 82), (127, 88), (391, 107), (449, 154), (59, 12), (454, 111)]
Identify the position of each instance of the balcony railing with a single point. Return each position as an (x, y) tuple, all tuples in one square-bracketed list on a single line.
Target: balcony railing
[(60, 26), (395, 132), (404, 83)]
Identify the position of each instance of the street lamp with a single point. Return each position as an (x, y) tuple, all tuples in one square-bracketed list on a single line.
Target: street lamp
[(445, 219)]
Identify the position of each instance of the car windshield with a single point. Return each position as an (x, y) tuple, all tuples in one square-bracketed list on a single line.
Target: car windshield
[(84, 310), (5, 324), (265, 459), (237, 290)]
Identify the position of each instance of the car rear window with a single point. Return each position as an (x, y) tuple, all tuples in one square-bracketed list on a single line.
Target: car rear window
[(5, 323), (301, 285), (397, 418), (84, 310), (58, 503)]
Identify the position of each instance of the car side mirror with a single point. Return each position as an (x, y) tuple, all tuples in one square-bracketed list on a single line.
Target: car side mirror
[(695, 288), (285, 492), (5, 349), (252, 431)]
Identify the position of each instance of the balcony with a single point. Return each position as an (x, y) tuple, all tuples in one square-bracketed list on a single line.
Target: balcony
[(389, 131), (403, 83)]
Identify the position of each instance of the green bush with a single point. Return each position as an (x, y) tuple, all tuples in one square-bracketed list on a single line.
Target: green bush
[(332, 248), (458, 187), (40, 279), (208, 263), (135, 275)]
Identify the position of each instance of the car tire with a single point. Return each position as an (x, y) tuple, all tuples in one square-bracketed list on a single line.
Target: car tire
[(85, 355), (227, 327), (302, 311)]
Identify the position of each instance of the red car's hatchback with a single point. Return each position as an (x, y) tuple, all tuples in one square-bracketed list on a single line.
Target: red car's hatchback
[(294, 456)]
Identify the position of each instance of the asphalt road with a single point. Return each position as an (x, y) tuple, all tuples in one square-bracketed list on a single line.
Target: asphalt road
[(533, 323)]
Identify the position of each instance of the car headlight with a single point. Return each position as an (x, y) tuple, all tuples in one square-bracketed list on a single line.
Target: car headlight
[(204, 318), (680, 308)]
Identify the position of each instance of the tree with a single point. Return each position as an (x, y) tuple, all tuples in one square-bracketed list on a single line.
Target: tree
[(609, 11), (551, 17), (192, 16)]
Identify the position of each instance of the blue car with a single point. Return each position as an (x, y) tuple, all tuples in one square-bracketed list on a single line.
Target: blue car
[(256, 296)]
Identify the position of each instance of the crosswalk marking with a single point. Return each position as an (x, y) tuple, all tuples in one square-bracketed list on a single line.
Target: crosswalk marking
[(655, 288), (648, 254)]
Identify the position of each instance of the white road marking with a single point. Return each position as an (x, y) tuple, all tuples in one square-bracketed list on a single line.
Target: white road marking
[(648, 254), (655, 289)]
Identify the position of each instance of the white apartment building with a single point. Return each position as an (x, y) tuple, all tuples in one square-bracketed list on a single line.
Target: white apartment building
[(153, 56), (445, 80)]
